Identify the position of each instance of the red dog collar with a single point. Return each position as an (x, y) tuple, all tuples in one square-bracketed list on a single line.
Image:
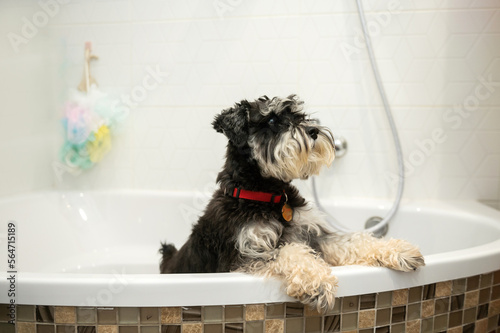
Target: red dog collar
[(256, 196)]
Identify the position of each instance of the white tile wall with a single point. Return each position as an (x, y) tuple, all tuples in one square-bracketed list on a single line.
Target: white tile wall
[(439, 60)]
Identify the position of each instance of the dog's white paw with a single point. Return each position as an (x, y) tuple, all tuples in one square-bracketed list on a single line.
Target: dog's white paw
[(402, 256), (318, 295)]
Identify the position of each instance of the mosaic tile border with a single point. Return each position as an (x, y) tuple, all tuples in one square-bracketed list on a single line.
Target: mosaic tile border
[(464, 305)]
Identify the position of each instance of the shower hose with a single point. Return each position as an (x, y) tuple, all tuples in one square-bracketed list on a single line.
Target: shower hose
[(379, 226)]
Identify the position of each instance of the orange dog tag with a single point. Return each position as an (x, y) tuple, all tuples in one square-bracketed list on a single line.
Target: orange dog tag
[(287, 212)]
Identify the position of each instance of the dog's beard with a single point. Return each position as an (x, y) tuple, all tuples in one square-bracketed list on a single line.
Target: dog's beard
[(293, 154)]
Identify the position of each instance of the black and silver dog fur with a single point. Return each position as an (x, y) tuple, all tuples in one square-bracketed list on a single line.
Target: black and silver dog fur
[(270, 143)]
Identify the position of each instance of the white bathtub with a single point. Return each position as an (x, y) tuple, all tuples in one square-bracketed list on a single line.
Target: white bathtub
[(101, 249)]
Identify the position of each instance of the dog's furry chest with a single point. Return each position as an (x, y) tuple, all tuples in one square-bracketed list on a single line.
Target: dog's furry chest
[(259, 238)]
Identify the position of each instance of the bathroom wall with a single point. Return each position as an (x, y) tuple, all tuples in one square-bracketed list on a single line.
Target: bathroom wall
[(28, 118), (439, 61)]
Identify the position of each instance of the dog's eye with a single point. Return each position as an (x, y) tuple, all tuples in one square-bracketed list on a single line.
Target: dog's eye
[(272, 121)]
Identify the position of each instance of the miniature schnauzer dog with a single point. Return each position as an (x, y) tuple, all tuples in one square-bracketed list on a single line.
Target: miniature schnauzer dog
[(258, 223)]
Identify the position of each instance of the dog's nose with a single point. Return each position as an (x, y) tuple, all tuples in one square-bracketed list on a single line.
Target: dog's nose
[(313, 132)]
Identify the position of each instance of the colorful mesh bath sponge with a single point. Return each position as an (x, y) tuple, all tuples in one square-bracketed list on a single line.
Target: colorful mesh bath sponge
[(90, 117)]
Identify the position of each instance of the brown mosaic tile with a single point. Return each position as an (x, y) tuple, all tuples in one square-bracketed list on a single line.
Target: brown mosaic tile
[(486, 280), (455, 330), (45, 328), (313, 325), (457, 302), (149, 329), (459, 286), (255, 312), (331, 323), (213, 314), (25, 313), (495, 293), (455, 318), (468, 328), (443, 288), (470, 315), (128, 329), (213, 328), (253, 327), (275, 326), (86, 315), (233, 328), (427, 308), (350, 304), (85, 329), (413, 326), (64, 314), (415, 295), (170, 328), (492, 323), (471, 299), (275, 311), (294, 310), (349, 321), (427, 325), (441, 305), (107, 329), (384, 299), (398, 328), (367, 301), (400, 297), (171, 315), (429, 291), (366, 319), (383, 317), (473, 283), (440, 323), (413, 311), (192, 328), (65, 329), (294, 325), (494, 308), (482, 311), (398, 314), (107, 316), (44, 314), (4, 313), (233, 313), (383, 329), (484, 295), (128, 315), (482, 325), (496, 277), (191, 313), (149, 316), (26, 327)]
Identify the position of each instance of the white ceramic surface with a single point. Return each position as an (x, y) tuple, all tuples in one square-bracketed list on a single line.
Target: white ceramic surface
[(101, 248)]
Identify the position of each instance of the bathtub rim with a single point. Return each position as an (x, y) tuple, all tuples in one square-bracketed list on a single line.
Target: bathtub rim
[(55, 288)]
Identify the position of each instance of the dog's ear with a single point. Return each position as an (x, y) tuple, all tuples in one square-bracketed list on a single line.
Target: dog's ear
[(233, 122)]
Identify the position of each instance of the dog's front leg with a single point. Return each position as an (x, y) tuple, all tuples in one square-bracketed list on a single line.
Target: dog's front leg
[(364, 249), (305, 275)]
